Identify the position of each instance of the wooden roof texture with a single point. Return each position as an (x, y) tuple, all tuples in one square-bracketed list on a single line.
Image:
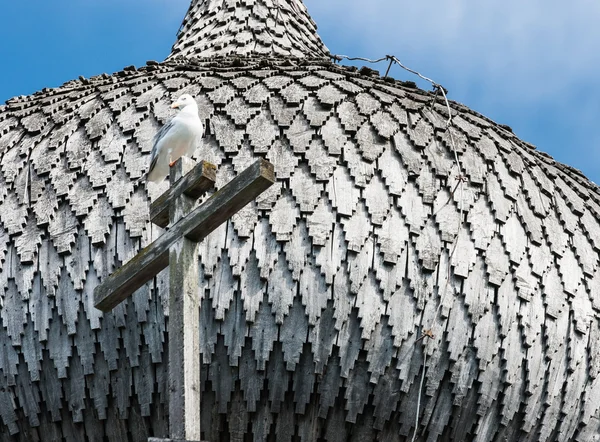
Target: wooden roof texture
[(218, 28), (315, 297)]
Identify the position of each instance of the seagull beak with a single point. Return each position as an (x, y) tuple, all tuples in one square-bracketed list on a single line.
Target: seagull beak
[(175, 105)]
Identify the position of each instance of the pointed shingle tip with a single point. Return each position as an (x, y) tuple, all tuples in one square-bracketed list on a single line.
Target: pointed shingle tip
[(221, 28)]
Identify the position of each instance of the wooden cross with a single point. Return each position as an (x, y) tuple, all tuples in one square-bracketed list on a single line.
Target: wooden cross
[(178, 248)]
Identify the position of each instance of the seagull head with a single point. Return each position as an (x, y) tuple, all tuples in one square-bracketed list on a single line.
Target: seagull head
[(183, 101)]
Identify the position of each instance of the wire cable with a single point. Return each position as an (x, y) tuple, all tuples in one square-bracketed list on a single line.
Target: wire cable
[(461, 179)]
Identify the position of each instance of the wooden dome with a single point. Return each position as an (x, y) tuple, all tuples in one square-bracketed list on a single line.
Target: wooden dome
[(318, 298)]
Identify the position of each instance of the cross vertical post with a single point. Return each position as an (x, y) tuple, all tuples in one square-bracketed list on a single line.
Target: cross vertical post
[(184, 317)]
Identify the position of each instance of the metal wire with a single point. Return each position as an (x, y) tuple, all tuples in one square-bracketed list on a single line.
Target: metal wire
[(419, 397), (438, 88), (345, 57)]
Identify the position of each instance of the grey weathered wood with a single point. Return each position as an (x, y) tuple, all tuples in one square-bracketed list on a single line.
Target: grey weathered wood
[(179, 247), (194, 184), (184, 317), (543, 384), (196, 226), (158, 439)]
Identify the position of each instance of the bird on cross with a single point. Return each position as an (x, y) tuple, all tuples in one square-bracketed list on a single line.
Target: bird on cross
[(178, 137)]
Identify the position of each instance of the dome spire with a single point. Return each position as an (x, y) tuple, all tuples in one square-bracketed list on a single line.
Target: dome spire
[(219, 28)]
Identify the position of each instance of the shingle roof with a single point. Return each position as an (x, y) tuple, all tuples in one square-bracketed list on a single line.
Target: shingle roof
[(224, 28), (314, 296)]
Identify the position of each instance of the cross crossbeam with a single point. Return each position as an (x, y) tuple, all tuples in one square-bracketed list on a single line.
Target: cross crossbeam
[(196, 226)]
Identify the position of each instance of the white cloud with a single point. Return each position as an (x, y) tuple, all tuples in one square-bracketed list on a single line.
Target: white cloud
[(547, 43)]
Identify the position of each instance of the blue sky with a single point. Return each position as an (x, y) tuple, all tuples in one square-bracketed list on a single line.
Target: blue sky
[(533, 65)]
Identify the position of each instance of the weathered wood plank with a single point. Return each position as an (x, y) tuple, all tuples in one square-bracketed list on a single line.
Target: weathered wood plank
[(196, 226), (194, 184), (158, 439), (184, 317)]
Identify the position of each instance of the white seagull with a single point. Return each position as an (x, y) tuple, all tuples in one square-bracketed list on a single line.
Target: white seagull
[(178, 137)]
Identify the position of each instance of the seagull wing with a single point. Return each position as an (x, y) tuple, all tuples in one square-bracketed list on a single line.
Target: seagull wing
[(162, 132), (176, 138)]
